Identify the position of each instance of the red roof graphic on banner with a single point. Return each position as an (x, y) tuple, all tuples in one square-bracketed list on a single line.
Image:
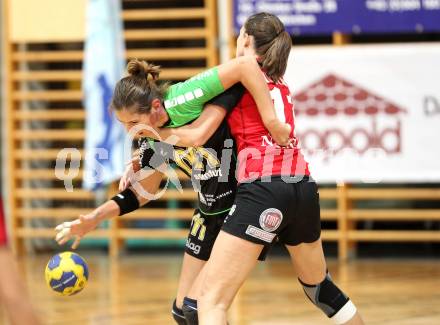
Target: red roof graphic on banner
[(333, 95)]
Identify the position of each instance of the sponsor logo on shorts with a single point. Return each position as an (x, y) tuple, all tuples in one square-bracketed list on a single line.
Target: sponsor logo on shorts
[(193, 247), (198, 229), (260, 234), (270, 219)]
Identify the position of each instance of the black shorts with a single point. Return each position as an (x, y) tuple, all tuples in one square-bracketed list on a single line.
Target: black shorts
[(265, 210), (203, 232)]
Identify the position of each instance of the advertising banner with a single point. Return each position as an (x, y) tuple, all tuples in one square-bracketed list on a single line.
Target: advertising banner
[(103, 66), (346, 16), (368, 113)]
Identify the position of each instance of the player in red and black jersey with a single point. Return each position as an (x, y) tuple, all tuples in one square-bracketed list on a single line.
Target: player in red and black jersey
[(276, 196), (12, 292), (259, 156)]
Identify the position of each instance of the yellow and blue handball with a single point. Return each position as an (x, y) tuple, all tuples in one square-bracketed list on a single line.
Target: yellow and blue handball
[(67, 273)]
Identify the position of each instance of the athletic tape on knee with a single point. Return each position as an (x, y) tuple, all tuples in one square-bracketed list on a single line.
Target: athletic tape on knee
[(189, 309), (330, 299), (178, 314)]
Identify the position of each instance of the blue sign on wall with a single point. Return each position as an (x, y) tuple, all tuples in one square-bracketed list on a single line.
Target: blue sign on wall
[(347, 16)]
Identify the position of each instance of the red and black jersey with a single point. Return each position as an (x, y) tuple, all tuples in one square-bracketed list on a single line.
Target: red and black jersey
[(258, 154), (2, 226)]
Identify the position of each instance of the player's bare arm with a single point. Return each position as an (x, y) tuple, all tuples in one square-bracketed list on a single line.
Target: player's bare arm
[(246, 70), (196, 133), (78, 228)]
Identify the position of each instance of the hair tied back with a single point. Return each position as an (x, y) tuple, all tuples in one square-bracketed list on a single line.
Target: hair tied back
[(143, 69)]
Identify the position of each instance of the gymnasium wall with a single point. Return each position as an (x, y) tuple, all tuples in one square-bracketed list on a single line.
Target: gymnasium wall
[(46, 112), (46, 100)]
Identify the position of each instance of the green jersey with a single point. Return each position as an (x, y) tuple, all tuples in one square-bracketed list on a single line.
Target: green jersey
[(184, 101), (215, 182)]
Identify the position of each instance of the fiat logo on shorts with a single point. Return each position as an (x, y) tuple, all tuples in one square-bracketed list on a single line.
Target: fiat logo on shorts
[(270, 219)]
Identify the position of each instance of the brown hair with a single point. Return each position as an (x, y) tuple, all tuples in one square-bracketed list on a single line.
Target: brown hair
[(136, 91), (272, 43)]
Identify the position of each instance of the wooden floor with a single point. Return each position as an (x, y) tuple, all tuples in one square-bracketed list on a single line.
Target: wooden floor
[(139, 290)]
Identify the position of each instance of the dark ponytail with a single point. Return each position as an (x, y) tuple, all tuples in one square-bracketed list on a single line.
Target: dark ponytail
[(143, 69), (272, 43), (136, 91)]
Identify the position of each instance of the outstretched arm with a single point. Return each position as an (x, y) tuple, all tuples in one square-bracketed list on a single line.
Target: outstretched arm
[(86, 223)]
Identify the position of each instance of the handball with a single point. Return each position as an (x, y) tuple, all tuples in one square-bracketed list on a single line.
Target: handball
[(67, 273)]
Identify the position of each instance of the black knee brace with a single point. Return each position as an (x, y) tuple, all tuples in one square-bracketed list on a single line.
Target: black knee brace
[(330, 299), (178, 314), (189, 309)]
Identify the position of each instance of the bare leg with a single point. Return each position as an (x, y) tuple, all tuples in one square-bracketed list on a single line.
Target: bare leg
[(196, 288), (309, 262), (12, 292), (231, 260), (191, 268)]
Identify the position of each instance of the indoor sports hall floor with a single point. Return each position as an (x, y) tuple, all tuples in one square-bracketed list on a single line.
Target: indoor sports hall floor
[(139, 288)]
